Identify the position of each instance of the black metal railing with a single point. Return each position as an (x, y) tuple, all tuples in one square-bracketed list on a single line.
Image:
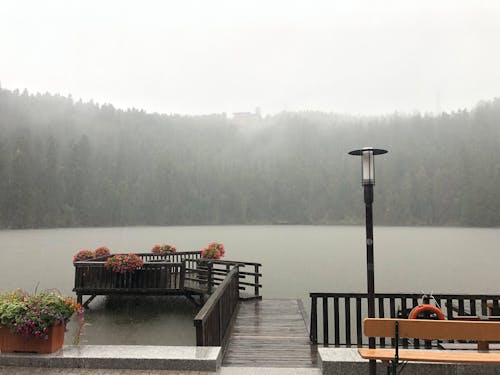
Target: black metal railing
[(340, 315)]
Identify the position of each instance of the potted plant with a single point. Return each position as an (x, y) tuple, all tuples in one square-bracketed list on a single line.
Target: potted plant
[(101, 251), (122, 263), (214, 250), (83, 255), (36, 323), (163, 249)]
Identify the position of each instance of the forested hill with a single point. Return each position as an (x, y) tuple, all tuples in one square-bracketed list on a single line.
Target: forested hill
[(66, 163)]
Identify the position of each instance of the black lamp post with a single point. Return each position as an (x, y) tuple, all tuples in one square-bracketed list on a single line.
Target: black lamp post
[(367, 181)]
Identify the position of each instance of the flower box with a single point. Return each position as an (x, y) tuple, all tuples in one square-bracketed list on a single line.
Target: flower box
[(12, 342), (36, 323)]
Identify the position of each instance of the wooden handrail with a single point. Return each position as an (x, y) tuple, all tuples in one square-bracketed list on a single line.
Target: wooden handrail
[(233, 262), (188, 255), (249, 278), (215, 317)]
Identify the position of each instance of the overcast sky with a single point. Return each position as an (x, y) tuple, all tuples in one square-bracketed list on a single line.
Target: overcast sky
[(192, 57)]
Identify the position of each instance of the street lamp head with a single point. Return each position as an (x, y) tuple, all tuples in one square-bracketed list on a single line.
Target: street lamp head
[(368, 163)]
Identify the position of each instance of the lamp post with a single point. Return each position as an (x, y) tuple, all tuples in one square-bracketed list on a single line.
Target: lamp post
[(367, 181)]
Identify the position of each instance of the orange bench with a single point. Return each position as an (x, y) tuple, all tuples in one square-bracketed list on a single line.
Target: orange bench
[(480, 331)]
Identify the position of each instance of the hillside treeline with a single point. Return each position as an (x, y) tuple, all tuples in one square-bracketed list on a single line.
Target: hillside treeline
[(72, 163)]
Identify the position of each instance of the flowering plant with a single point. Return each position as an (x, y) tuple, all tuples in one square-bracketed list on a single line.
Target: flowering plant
[(101, 251), (83, 255), (124, 262), (163, 249), (32, 315), (213, 251)]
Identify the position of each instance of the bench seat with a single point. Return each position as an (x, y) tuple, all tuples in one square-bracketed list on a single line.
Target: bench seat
[(431, 356)]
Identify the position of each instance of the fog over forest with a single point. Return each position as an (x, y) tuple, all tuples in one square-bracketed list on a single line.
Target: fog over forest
[(67, 163)]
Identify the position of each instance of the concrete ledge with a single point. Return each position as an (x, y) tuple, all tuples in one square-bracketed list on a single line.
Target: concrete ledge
[(347, 361), (188, 358)]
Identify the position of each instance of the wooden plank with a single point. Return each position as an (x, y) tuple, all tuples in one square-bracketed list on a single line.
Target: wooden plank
[(431, 356), (433, 329), (270, 333), (464, 346)]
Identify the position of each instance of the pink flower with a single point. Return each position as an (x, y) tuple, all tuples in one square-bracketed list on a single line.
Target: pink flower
[(101, 251), (83, 255), (214, 250), (163, 249)]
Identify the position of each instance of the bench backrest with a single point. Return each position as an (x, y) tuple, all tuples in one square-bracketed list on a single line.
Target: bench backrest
[(432, 329)]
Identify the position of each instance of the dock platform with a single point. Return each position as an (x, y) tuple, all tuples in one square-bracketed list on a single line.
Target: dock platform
[(270, 333)]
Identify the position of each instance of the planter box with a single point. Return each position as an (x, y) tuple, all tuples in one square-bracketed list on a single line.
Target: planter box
[(12, 342)]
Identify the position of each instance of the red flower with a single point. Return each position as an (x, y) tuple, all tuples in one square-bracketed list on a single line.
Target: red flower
[(124, 263), (214, 250), (101, 251), (163, 249), (83, 255)]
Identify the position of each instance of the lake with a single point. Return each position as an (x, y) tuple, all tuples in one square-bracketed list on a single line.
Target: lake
[(296, 260)]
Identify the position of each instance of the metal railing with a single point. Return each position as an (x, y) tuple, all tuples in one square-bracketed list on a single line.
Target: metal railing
[(340, 315)]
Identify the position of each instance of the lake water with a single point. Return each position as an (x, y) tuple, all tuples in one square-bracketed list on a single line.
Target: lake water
[(296, 260)]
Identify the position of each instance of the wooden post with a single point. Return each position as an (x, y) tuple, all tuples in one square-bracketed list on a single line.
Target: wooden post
[(256, 278), (209, 277), (483, 346), (182, 275), (199, 333)]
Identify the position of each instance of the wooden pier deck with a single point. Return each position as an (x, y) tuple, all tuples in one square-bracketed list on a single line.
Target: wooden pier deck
[(178, 273), (270, 333)]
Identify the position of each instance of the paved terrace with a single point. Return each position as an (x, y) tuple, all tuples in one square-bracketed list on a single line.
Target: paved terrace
[(269, 337), (221, 371)]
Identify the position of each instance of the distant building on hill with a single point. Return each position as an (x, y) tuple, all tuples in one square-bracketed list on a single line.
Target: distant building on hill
[(247, 117)]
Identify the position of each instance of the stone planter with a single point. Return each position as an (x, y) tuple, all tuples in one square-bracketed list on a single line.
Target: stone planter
[(12, 342)]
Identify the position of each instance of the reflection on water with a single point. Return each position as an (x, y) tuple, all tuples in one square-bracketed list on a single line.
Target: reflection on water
[(141, 320)]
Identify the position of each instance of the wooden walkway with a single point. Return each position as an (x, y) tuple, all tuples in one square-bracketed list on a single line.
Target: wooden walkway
[(270, 333)]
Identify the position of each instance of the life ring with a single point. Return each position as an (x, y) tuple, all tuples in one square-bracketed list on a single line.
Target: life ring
[(426, 308)]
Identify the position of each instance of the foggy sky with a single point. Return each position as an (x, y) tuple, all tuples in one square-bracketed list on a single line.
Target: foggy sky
[(192, 57)]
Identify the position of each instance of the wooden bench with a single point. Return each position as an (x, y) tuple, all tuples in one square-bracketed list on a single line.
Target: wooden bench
[(480, 331)]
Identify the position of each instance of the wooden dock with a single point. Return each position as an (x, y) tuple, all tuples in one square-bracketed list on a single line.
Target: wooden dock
[(178, 273), (270, 333)]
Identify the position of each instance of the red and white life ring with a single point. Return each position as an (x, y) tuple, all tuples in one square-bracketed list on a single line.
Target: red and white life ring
[(426, 308)]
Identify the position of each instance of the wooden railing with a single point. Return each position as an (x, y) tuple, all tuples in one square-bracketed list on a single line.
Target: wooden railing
[(93, 278), (214, 271), (189, 257), (215, 317), (341, 314), (210, 272)]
